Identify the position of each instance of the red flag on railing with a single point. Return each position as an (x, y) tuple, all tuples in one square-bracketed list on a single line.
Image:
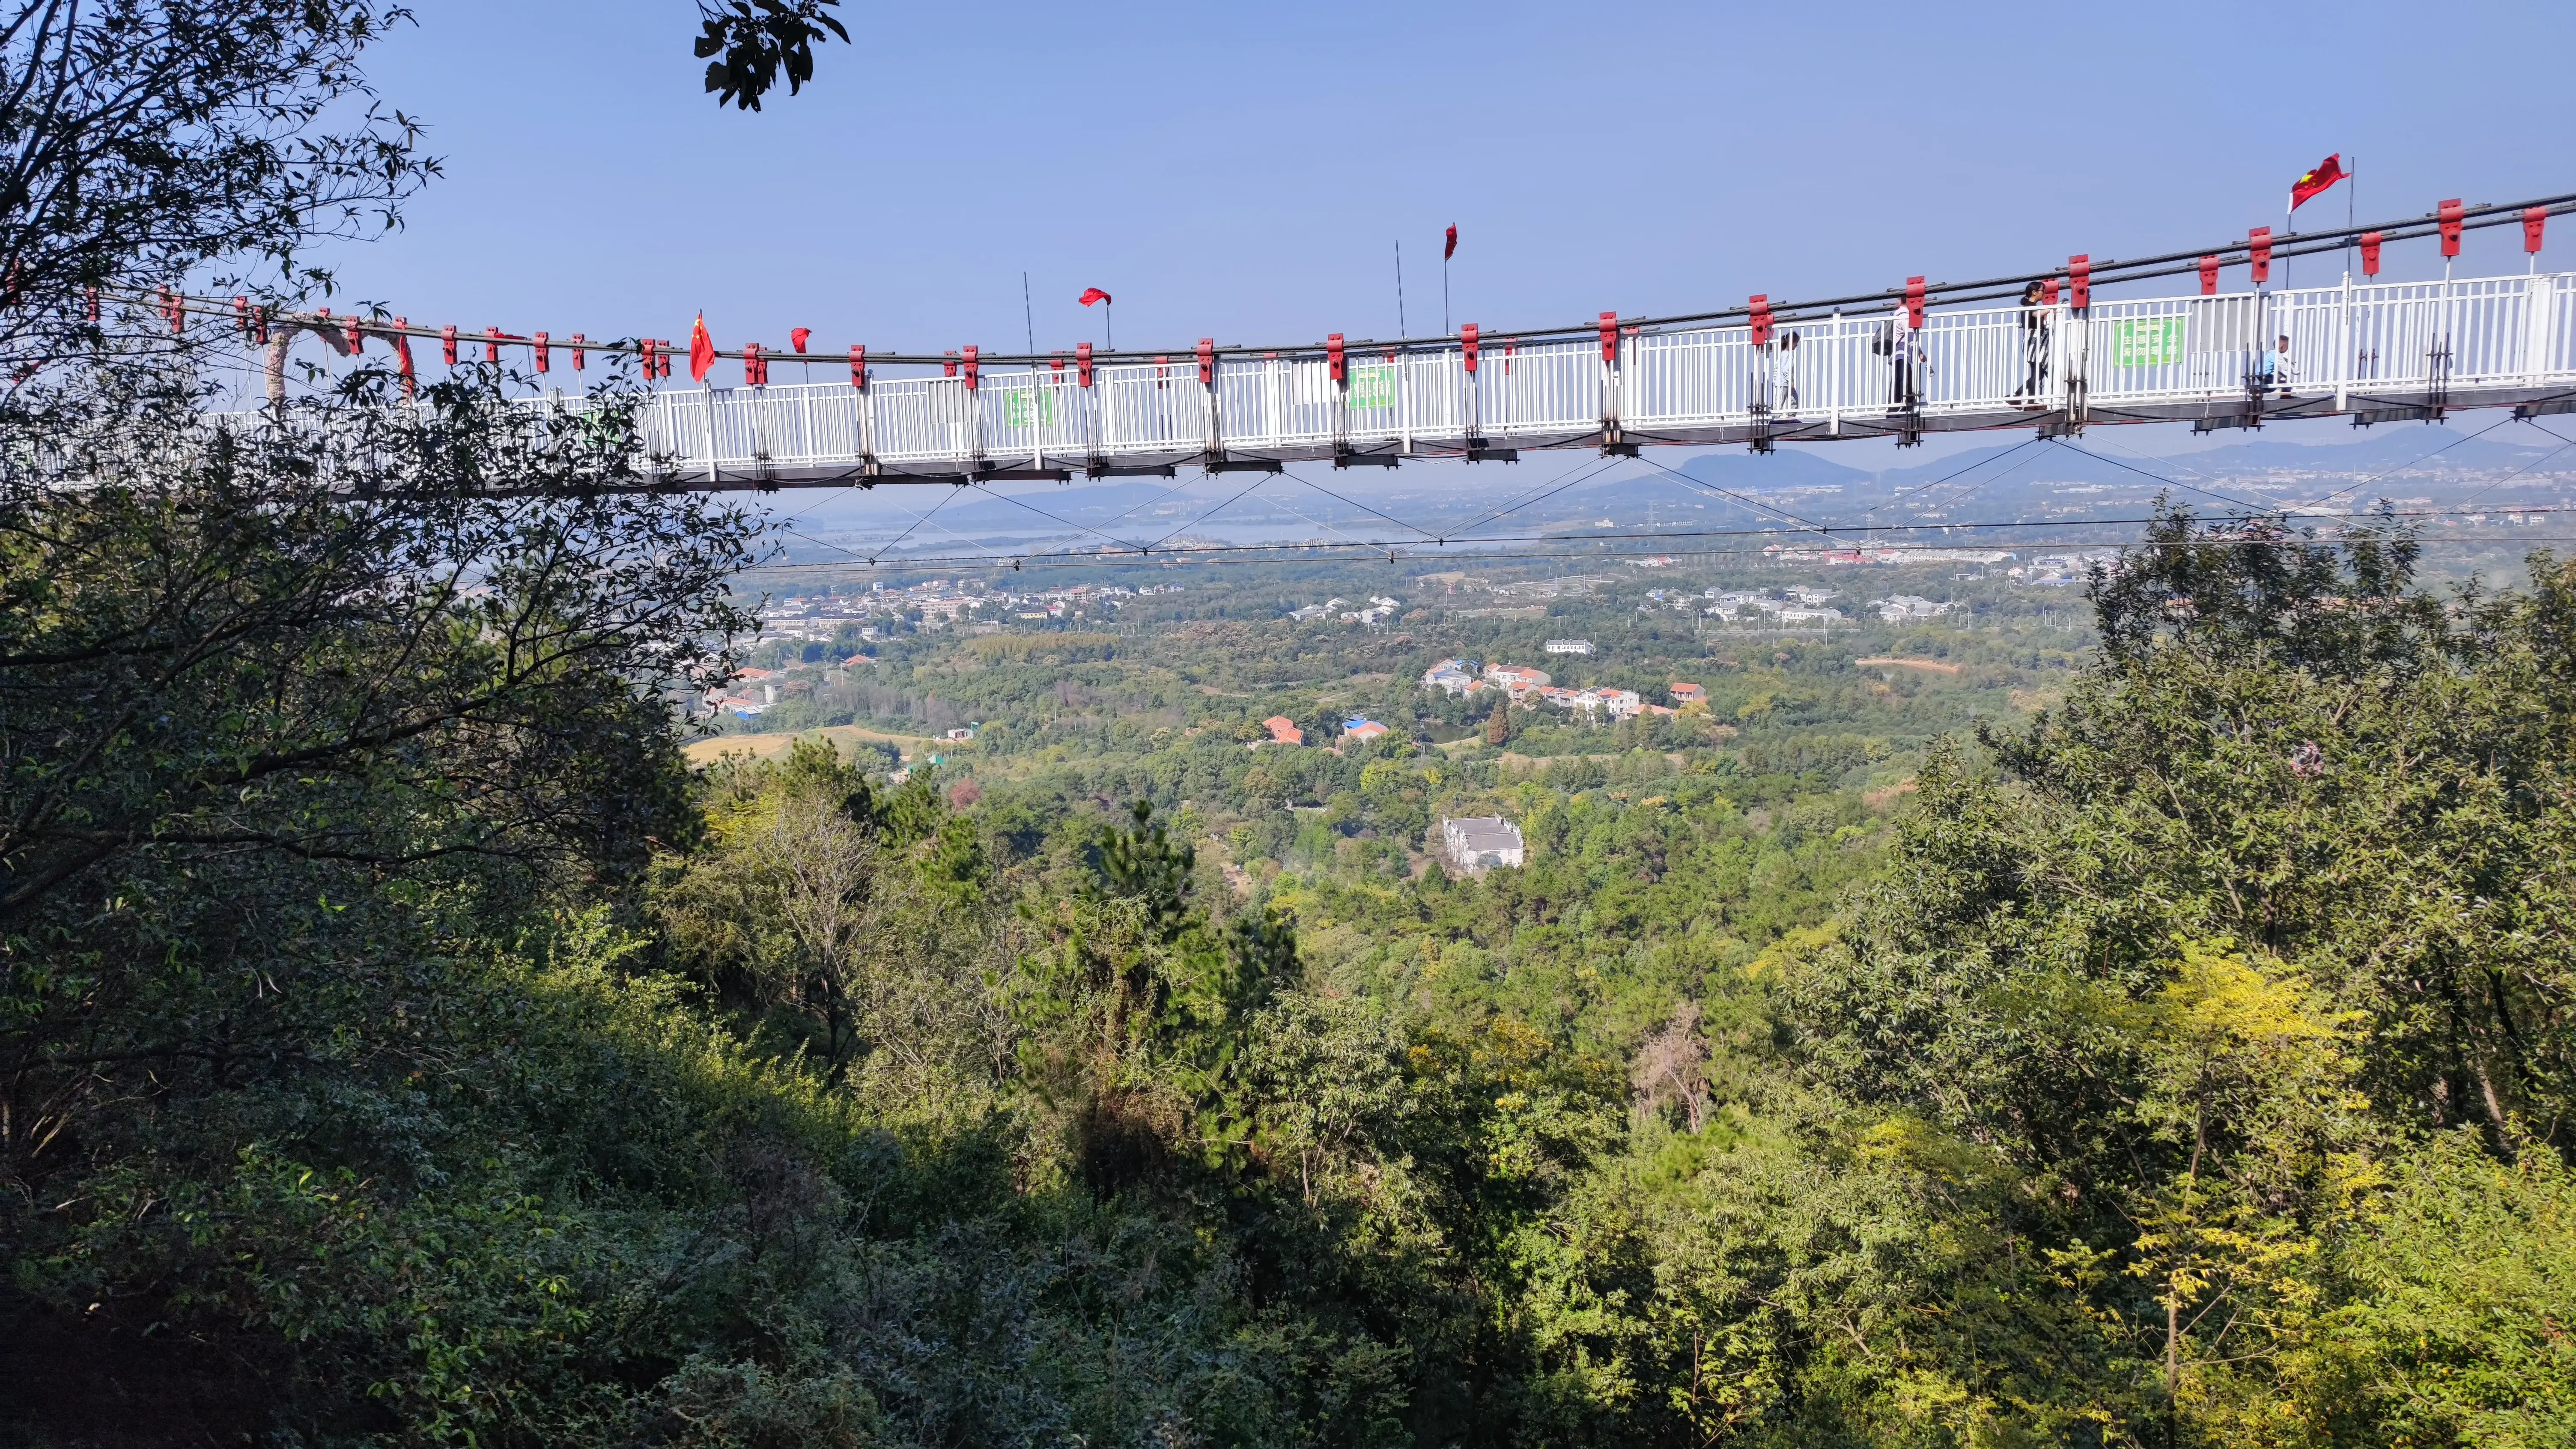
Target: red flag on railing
[(1094, 294), (1451, 248), (796, 338), (2315, 184), (702, 350), (402, 354)]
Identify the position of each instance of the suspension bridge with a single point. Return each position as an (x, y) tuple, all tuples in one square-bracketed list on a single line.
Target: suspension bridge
[(2039, 351)]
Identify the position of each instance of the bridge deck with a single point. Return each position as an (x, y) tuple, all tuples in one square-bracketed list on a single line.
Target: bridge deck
[(2376, 351)]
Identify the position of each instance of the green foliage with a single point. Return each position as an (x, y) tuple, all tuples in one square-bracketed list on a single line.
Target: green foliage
[(1140, 863), (2452, 1276), (753, 40)]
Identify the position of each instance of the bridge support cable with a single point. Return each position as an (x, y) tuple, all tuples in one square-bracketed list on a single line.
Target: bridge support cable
[(1970, 491), (1753, 505), (1053, 518), (2563, 445), (1899, 498), (1426, 534), (2356, 488), (1581, 472)]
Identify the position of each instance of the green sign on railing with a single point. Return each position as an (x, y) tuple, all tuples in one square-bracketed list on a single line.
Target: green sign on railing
[(1016, 408), (2147, 342), (1373, 387)]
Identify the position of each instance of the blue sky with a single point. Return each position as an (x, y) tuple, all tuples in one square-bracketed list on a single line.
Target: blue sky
[(1244, 171)]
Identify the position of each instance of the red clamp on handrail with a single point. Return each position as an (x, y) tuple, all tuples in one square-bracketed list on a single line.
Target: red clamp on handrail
[(859, 367), (2209, 276), (1760, 318), (2534, 218), (2258, 249), (2370, 241), (1610, 339), (1335, 362), (755, 372), (1914, 303), (545, 354), (644, 348), (492, 344), (2450, 217), (241, 313), (2079, 281), (1082, 363), (258, 324), (974, 371), (2048, 291), (1207, 362), (950, 363), (1467, 342), (580, 353)]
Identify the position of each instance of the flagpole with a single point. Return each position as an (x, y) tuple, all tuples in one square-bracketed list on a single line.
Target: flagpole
[(1029, 316), (2289, 228), (1400, 328), (1444, 293)]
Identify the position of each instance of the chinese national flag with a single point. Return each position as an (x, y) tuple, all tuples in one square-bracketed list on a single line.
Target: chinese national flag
[(2315, 183), (1451, 249), (702, 350), (1094, 294)]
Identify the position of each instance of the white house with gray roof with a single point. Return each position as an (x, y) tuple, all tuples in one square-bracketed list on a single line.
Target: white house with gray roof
[(1481, 842)]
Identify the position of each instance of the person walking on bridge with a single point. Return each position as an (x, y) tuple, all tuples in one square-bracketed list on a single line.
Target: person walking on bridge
[(2275, 368), (2034, 347)]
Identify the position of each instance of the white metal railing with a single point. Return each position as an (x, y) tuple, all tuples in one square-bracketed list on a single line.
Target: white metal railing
[(2468, 342)]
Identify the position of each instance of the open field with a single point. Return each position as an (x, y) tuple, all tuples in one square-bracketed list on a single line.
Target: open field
[(771, 746)]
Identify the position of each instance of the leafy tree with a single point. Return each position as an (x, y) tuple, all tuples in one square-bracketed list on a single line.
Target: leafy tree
[(142, 141), (2252, 908), (746, 43)]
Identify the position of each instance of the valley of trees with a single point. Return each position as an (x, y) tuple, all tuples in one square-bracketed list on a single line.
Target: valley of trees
[(403, 1043)]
